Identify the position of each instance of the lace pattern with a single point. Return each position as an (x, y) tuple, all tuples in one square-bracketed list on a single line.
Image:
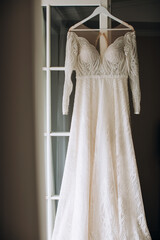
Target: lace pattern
[(100, 197), (130, 49), (120, 59), (70, 65)]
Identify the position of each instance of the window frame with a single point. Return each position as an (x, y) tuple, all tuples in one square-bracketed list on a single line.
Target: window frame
[(48, 69)]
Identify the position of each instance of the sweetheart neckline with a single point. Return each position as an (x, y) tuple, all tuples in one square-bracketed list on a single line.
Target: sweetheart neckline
[(90, 44)]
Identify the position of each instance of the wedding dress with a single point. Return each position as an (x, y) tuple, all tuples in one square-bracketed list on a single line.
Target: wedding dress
[(100, 196)]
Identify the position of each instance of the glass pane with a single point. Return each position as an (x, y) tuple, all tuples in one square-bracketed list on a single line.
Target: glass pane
[(50, 216), (44, 35), (45, 102), (45, 161), (62, 18), (54, 208), (47, 216), (53, 212), (60, 122), (59, 148)]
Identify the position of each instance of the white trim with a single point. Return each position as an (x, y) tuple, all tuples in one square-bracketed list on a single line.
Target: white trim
[(57, 134), (60, 134), (97, 29), (48, 103), (57, 68), (48, 134), (55, 197), (70, 2), (54, 68)]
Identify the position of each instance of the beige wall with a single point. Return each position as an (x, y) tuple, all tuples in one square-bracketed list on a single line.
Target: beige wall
[(20, 106)]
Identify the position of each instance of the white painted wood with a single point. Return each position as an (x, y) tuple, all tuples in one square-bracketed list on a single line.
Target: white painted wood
[(103, 29), (55, 197), (70, 2), (57, 68), (48, 134), (97, 11), (54, 68), (57, 134), (48, 102), (104, 14)]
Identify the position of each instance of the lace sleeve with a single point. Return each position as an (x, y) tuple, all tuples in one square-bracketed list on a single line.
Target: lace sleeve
[(70, 64), (130, 49)]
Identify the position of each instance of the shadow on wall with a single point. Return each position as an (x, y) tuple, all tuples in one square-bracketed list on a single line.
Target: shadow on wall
[(20, 217), (146, 130)]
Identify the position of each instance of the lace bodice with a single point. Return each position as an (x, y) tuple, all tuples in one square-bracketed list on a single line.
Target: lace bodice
[(119, 60)]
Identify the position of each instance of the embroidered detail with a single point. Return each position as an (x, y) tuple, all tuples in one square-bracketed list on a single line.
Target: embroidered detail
[(120, 59)]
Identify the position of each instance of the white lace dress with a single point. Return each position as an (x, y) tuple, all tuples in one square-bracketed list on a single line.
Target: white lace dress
[(100, 197)]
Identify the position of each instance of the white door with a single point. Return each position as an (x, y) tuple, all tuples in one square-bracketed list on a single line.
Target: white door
[(58, 16)]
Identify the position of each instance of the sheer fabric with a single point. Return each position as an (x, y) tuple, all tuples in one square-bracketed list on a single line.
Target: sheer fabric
[(100, 195)]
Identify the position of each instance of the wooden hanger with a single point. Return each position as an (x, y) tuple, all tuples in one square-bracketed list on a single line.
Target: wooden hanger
[(97, 11)]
